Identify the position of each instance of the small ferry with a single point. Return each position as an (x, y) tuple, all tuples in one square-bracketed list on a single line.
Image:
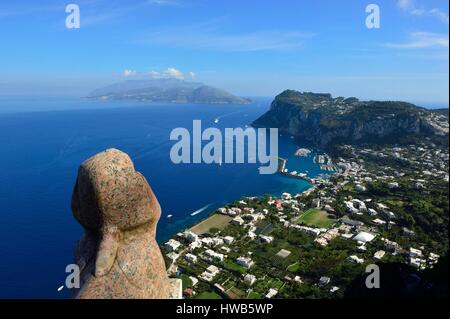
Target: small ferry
[(200, 210)]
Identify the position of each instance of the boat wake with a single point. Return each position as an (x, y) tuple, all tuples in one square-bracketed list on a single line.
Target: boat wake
[(200, 210), (217, 120)]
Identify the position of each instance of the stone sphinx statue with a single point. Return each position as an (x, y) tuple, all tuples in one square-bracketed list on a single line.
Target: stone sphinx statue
[(118, 255)]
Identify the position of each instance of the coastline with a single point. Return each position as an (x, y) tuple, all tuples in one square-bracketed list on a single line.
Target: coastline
[(311, 187)]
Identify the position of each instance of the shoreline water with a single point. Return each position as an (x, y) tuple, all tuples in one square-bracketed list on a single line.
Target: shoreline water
[(280, 172)]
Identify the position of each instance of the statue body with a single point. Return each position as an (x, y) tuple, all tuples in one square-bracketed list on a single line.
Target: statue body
[(118, 254)]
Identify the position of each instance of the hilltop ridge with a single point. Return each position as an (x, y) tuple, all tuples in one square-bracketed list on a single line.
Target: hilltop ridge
[(322, 120), (166, 91)]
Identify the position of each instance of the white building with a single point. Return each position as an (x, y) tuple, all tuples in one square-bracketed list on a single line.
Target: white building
[(173, 256), (209, 274), (194, 281), (249, 279), (225, 249), (228, 240), (191, 258), (334, 289), (172, 245), (208, 241), (393, 185), (379, 254), (272, 293), (194, 245), (251, 235), (238, 221), (324, 280), (286, 196), (245, 262), (266, 239), (413, 252), (415, 262), (379, 221), (364, 237), (356, 259), (213, 254), (217, 241), (190, 236)]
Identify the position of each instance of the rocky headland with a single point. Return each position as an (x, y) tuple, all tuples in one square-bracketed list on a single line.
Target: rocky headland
[(322, 120)]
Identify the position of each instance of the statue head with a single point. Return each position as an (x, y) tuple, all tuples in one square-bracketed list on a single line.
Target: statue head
[(110, 198)]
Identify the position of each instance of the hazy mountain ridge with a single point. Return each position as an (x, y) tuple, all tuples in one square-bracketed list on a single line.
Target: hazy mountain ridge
[(323, 120), (166, 91)]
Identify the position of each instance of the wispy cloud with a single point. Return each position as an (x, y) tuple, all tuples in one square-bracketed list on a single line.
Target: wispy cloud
[(412, 8), (94, 12), (169, 73), (420, 40), (164, 2), (206, 37), (129, 73)]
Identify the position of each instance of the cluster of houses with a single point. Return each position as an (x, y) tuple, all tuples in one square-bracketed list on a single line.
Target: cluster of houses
[(287, 208), (419, 261), (353, 170), (247, 218)]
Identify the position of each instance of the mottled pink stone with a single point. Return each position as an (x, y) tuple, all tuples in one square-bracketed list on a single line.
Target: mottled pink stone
[(118, 255)]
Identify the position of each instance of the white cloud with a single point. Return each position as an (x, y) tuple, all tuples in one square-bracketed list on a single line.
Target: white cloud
[(192, 75), (420, 40), (129, 73), (410, 7), (174, 73), (169, 73)]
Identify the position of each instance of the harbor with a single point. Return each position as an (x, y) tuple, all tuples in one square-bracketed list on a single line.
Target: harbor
[(324, 161), (284, 171)]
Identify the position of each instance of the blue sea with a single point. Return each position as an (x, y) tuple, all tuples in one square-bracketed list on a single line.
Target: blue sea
[(44, 140)]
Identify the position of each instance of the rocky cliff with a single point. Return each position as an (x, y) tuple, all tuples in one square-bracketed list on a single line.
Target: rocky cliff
[(323, 120), (118, 255)]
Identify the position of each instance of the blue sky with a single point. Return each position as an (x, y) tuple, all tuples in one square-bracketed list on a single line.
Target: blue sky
[(251, 48)]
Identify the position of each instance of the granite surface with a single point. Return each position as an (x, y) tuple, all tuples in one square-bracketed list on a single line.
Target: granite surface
[(118, 254)]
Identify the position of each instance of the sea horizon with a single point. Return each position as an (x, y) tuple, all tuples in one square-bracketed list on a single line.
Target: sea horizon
[(40, 103)]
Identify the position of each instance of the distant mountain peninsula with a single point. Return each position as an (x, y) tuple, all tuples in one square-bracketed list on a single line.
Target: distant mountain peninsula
[(323, 121), (166, 91)]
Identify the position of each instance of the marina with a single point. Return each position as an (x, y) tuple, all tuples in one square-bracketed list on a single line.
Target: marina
[(282, 170)]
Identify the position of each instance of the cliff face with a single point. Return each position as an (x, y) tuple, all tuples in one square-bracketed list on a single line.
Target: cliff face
[(323, 120), (118, 255)]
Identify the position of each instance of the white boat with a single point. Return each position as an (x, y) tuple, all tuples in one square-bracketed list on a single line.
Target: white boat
[(200, 210), (169, 216), (216, 121)]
